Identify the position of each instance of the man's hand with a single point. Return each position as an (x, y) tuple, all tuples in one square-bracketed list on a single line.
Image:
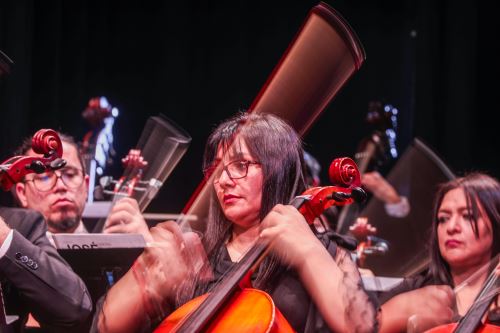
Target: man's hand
[(4, 230), (126, 218)]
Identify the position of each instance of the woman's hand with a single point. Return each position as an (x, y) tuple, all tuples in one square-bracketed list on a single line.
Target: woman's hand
[(419, 309), (147, 292), (289, 235), (170, 261), (333, 286)]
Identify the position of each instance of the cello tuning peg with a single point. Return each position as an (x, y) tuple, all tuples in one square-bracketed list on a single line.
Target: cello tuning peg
[(358, 194), (36, 166), (56, 164), (340, 196)]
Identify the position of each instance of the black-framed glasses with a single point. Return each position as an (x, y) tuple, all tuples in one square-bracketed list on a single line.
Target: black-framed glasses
[(71, 177), (234, 170)]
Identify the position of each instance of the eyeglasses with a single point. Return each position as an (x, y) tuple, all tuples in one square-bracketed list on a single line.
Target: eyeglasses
[(234, 170), (71, 177)]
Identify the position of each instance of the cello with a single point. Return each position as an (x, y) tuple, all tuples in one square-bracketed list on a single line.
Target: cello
[(320, 60), (471, 322), (227, 307)]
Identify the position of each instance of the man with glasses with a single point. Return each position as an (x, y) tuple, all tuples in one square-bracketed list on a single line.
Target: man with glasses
[(33, 277), (61, 195)]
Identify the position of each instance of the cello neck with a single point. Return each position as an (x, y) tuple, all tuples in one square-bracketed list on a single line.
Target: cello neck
[(472, 319), (199, 319)]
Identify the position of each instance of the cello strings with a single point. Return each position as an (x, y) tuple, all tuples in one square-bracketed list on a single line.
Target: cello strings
[(476, 275), (480, 273)]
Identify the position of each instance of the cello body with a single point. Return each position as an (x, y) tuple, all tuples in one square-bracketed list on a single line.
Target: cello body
[(449, 328), (250, 310), (471, 322)]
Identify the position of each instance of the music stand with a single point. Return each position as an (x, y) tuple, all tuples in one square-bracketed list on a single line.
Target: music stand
[(99, 259)]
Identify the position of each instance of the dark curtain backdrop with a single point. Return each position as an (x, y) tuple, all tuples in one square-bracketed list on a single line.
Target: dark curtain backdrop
[(198, 62)]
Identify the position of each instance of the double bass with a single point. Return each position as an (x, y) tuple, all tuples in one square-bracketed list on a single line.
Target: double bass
[(373, 152), (97, 144), (233, 306)]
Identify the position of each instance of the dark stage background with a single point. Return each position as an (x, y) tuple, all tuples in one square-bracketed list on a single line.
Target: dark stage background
[(198, 62)]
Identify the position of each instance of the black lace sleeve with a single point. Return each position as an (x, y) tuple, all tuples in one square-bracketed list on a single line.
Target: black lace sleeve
[(361, 308)]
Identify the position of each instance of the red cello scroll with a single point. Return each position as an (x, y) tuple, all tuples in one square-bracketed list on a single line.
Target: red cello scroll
[(129, 185), (232, 306), (315, 200), (45, 142)]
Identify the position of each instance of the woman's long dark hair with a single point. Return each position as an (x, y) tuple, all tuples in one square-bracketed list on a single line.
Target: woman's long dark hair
[(278, 148), (480, 190)]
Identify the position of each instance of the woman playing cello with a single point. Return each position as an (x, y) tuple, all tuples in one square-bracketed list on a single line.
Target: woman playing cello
[(465, 237), (316, 288)]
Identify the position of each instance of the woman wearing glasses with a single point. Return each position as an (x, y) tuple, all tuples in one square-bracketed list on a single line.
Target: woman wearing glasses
[(260, 171)]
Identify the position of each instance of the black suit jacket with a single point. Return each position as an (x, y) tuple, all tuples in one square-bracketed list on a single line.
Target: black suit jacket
[(36, 279)]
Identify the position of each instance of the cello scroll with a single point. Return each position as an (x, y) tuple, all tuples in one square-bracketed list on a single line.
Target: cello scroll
[(45, 142), (346, 178)]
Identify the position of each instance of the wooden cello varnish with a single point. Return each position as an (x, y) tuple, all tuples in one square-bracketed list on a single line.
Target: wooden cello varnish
[(250, 310)]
